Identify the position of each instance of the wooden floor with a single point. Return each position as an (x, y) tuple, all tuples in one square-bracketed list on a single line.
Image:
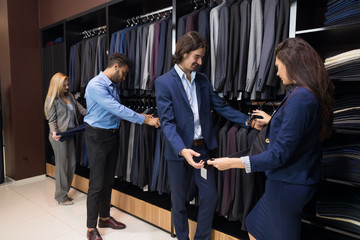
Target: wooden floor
[(139, 208)]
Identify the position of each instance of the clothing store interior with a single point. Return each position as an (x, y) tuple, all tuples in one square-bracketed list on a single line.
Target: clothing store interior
[(40, 38)]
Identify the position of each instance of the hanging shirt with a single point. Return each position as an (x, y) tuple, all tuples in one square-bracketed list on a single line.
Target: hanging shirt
[(190, 90)]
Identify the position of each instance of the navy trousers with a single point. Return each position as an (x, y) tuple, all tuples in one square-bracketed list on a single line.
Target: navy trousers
[(179, 172)]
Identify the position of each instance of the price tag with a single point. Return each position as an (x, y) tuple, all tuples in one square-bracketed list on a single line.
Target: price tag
[(203, 173)]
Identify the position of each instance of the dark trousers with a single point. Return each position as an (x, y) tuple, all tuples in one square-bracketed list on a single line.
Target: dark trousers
[(102, 148), (178, 174)]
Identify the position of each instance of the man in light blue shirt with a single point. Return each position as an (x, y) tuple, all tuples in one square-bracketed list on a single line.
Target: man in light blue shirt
[(102, 139)]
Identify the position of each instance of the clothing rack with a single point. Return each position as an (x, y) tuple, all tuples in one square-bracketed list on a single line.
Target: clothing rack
[(136, 20), (94, 32), (262, 103), (198, 1)]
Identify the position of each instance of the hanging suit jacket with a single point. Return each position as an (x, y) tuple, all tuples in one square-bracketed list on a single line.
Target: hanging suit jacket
[(176, 116)]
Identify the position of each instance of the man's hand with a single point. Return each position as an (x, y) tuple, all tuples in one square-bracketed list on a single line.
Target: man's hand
[(188, 154), (55, 137), (150, 120)]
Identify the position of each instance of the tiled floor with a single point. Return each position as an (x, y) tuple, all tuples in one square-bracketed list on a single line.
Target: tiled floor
[(28, 211)]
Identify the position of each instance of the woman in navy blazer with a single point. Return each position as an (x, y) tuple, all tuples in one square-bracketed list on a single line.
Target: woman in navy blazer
[(292, 155), (61, 110)]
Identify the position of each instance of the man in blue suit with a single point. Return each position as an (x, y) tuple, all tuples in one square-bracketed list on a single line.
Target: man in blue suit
[(185, 99)]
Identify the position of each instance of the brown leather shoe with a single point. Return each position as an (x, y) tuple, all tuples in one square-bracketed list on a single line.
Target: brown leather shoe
[(93, 235), (111, 223)]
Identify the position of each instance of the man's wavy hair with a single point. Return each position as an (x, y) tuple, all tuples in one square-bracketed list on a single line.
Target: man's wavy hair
[(189, 42)]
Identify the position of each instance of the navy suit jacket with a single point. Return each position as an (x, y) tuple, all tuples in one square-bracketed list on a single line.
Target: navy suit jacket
[(292, 147), (176, 116)]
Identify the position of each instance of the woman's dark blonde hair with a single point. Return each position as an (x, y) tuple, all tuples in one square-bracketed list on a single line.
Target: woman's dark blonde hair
[(55, 87), (305, 67), (189, 42)]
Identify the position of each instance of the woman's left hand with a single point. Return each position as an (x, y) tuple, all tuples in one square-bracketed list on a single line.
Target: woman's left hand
[(222, 163)]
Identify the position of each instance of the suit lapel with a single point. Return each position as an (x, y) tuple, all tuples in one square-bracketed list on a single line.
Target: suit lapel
[(179, 85)]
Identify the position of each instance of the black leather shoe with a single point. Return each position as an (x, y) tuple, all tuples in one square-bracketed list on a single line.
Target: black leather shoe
[(111, 223), (94, 235)]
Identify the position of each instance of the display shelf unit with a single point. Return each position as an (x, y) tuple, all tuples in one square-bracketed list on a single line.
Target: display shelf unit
[(328, 41), (306, 21)]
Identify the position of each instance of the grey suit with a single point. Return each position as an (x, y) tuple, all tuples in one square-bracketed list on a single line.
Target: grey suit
[(255, 43), (271, 9), (214, 37), (65, 160), (245, 8), (222, 47)]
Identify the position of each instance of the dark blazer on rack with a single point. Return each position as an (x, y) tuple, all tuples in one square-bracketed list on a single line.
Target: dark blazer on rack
[(173, 104)]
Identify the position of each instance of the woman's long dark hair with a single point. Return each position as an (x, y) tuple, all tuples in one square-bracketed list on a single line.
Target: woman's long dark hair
[(305, 68)]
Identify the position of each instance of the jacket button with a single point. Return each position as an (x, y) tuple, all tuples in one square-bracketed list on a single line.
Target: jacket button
[(267, 140)]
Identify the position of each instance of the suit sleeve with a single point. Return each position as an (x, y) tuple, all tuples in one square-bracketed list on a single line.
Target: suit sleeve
[(298, 114), (166, 115), (52, 118), (226, 111)]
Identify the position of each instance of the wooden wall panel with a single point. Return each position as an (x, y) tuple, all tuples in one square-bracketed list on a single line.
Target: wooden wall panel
[(21, 89), (53, 11)]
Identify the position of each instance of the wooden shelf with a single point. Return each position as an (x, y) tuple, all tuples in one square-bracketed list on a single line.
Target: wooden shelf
[(328, 224), (341, 27), (343, 182)]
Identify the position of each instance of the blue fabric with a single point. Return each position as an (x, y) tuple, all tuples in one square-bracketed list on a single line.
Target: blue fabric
[(71, 132), (278, 213), (157, 160), (190, 90), (162, 44), (292, 148), (112, 43), (104, 107), (342, 12), (176, 116), (59, 40), (122, 38), (178, 173)]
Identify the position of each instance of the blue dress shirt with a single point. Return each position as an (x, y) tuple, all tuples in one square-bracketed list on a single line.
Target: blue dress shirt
[(190, 90), (103, 105)]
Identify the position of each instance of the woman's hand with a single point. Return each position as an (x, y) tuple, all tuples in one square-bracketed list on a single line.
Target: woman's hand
[(55, 137), (261, 122), (226, 163)]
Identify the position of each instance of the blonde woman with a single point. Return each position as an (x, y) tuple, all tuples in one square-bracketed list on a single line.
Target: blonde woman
[(61, 110)]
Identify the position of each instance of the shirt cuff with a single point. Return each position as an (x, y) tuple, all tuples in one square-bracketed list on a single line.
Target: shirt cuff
[(246, 161), (141, 119)]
